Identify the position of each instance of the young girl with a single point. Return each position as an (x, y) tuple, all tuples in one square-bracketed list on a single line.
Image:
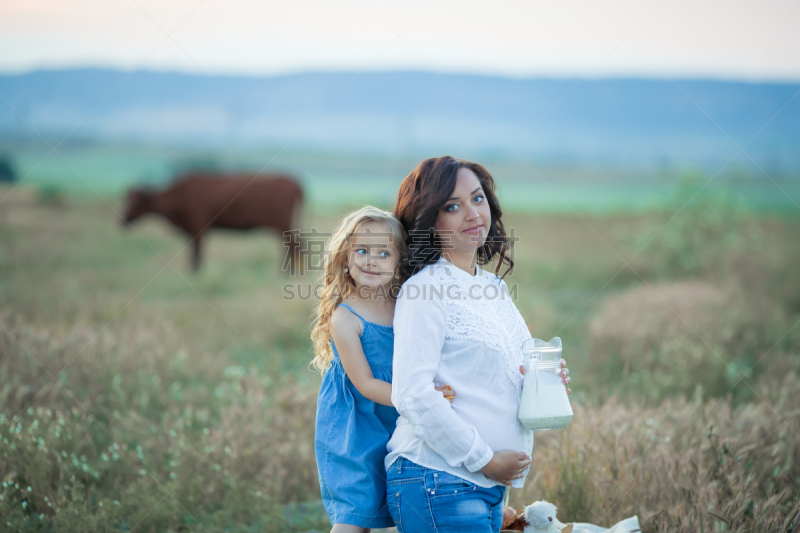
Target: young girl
[(353, 340)]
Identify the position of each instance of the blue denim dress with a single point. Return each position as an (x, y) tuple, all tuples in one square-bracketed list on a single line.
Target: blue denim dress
[(351, 433)]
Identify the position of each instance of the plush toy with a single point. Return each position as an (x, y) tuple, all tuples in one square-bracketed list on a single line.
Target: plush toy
[(538, 517), (509, 518)]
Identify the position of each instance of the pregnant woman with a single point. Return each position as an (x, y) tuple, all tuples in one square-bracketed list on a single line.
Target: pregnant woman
[(448, 465)]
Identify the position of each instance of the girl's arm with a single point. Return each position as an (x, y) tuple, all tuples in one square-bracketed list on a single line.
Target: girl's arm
[(345, 332)]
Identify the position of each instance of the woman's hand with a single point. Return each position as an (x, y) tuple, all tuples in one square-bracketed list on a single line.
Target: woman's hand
[(564, 373), (448, 393), (506, 466)]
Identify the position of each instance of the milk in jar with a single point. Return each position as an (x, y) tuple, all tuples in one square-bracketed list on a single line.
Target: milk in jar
[(544, 403)]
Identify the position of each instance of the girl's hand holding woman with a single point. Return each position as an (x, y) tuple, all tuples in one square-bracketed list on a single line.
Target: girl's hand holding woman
[(564, 373), (447, 391)]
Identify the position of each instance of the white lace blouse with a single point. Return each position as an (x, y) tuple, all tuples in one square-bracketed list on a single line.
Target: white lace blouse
[(464, 331)]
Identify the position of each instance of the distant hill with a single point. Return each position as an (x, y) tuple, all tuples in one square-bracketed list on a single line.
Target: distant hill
[(595, 121)]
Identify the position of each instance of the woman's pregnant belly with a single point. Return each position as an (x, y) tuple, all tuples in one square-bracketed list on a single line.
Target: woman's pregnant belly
[(492, 409), (484, 397)]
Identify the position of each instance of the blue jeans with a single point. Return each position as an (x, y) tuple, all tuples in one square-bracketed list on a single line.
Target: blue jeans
[(423, 500)]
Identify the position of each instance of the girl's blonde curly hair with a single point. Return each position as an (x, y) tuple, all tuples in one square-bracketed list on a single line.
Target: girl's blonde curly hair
[(337, 285)]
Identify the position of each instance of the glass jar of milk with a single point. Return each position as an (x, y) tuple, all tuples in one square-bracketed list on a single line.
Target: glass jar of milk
[(544, 404)]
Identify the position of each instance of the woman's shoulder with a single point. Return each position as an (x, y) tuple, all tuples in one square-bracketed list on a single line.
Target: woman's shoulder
[(425, 288), (440, 274), (490, 276), (426, 274)]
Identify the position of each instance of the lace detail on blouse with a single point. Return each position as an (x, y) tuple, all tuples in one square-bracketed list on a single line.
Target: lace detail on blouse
[(483, 311)]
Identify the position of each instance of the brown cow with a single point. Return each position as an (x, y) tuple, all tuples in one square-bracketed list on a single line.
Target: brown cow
[(199, 201)]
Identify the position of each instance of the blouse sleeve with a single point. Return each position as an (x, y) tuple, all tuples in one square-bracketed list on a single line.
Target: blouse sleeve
[(419, 333)]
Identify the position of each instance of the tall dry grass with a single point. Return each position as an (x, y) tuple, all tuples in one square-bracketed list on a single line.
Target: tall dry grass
[(186, 406), (136, 431), (133, 433), (663, 339), (685, 465)]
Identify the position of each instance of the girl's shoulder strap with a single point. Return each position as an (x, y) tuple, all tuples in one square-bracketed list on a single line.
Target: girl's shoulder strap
[(353, 311)]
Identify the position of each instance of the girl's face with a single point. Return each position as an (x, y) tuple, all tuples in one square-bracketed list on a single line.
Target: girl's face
[(373, 256), (464, 220)]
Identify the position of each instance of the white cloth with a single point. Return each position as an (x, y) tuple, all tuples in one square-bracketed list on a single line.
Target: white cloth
[(628, 525), (464, 331)]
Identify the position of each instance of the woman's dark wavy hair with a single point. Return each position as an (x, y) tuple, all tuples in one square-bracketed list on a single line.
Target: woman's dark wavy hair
[(423, 193)]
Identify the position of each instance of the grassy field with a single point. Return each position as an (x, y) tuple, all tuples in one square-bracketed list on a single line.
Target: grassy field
[(138, 396)]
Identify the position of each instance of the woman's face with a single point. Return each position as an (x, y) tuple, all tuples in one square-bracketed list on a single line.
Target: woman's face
[(464, 220), (373, 256)]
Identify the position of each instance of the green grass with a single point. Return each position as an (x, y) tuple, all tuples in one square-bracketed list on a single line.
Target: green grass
[(137, 395)]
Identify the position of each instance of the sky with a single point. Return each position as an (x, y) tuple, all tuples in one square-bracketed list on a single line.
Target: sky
[(718, 39)]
